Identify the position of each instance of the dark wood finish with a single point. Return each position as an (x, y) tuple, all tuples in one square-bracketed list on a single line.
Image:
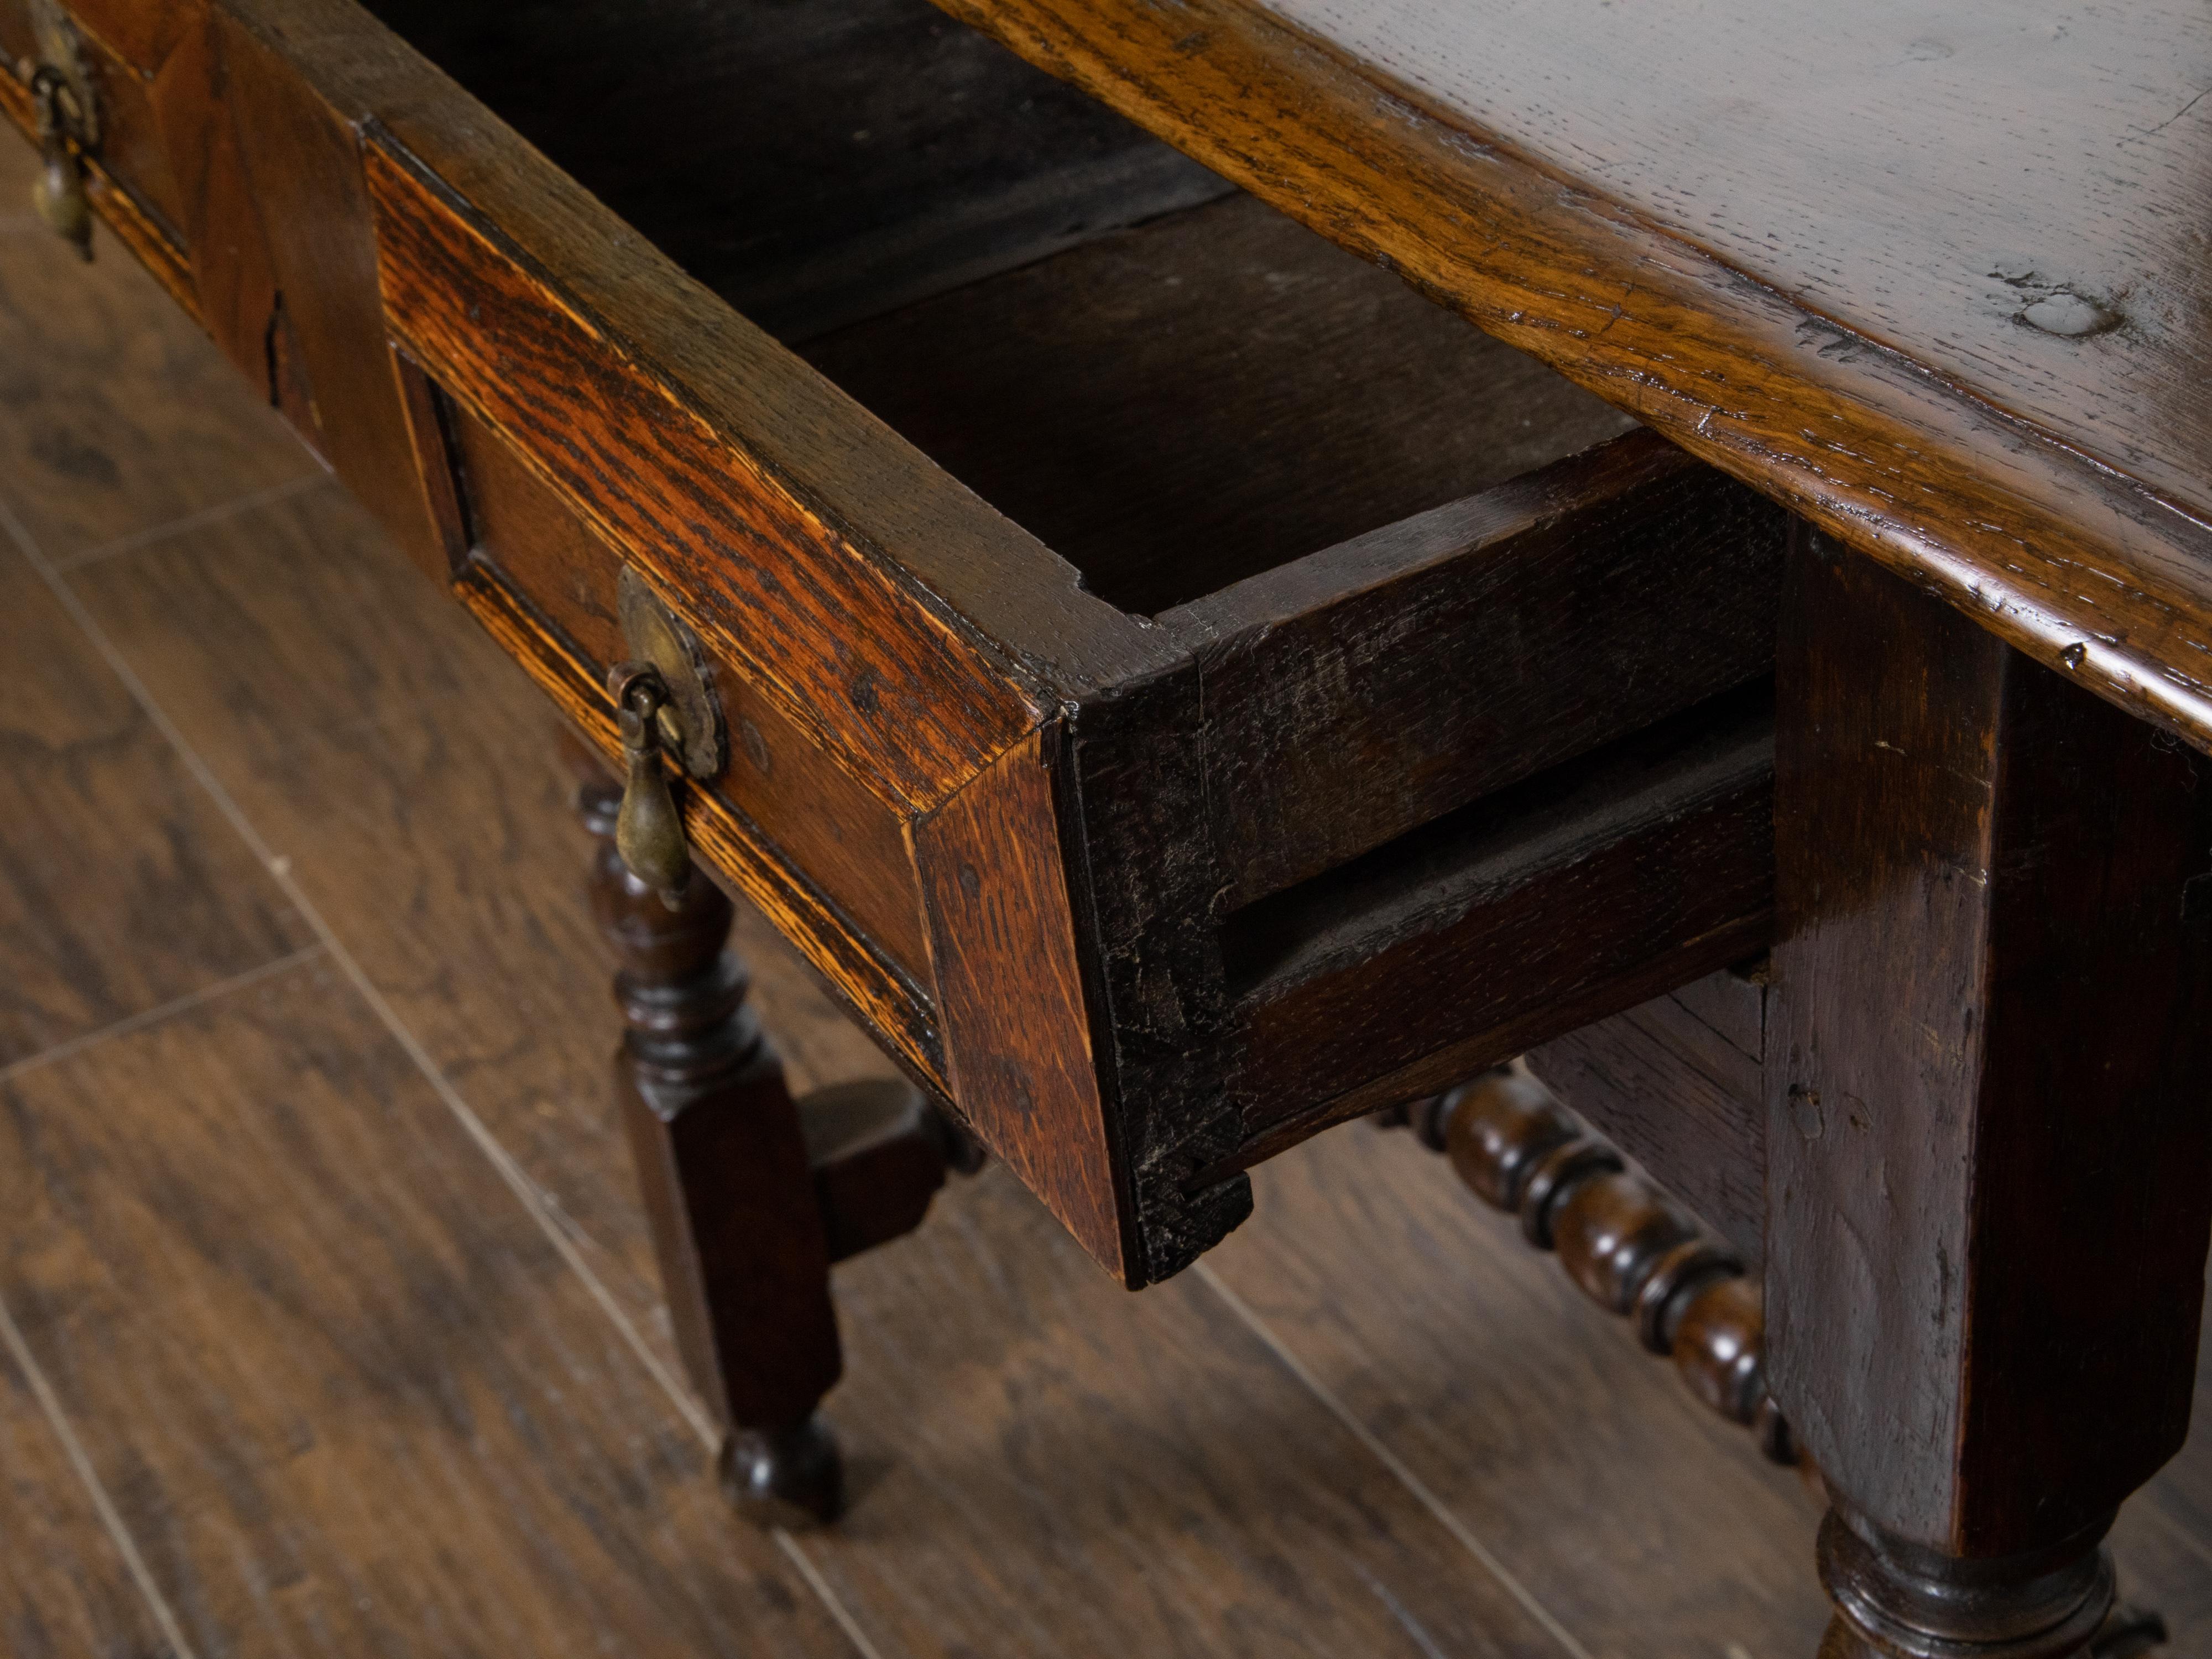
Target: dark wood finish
[(1583, 891), (1001, 1394), (878, 1151), (273, 200), (916, 701), (122, 49), (1211, 395), (2047, 483), (129, 182), (898, 629), (1364, 692), (75, 1593), (1145, 883), (1988, 1171), (1008, 1394), (1671, 1084), (1012, 987), (119, 424), (1621, 1240), (723, 1164), (811, 165)]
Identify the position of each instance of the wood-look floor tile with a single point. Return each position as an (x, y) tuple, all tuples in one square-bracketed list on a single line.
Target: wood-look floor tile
[(2163, 1543), (2169, 1571), (407, 772), (121, 885), (347, 1396), (1051, 1466), (1044, 1466), (117, 415), (1534, 1417), (1541, 1423), (65, 1590)]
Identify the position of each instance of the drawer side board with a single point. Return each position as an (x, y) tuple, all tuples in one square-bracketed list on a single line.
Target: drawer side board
[(878, 672)]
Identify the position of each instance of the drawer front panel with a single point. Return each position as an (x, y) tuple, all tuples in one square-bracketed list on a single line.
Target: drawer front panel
[(898, 1015), (869, 664), (811, 812)]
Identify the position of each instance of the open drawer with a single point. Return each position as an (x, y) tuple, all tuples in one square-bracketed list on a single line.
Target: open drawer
[(1183, 689)]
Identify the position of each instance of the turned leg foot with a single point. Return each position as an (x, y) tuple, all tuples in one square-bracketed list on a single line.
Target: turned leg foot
[(751, 1194), (788, 1477), (1894, 1601), (724, 1168)]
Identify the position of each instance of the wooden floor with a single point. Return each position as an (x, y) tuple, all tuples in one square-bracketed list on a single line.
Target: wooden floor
[(326, 1321)]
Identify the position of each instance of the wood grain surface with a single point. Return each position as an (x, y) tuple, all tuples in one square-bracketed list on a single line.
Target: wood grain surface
[(813, 166), (1480, 1362), (1987, 968), (406, 772), (890, 1004), (1014, 591), (1370, 689), (130, 184), (878, 672), (80, 1598), (118, 422), (2006, 195), (1044, 1464), (122, 889), (1580, 893), (1214, 393), (2105, 573), (1018, 1017), (1675, 1090), (760, 497), (288, 275), (295, 1284), (822, 819)]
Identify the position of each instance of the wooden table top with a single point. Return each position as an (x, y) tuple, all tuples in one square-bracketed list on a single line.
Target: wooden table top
[(1932, 273)]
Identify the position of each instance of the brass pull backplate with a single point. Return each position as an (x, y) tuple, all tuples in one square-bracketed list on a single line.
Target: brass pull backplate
[(68, 120), (691, 721), (665, 704)]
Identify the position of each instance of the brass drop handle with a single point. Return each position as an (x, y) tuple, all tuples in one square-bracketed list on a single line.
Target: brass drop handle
[(648, 829), (58, 190)]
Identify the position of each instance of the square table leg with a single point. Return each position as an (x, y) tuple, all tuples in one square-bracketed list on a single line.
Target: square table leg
[(1989, 1097)]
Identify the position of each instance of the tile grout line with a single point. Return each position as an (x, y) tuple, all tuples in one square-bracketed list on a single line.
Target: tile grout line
[(153, 1016), (195, 520), (822, 1588), (279, 870), (533, 1200), (11, 1338), (1390, 1460)]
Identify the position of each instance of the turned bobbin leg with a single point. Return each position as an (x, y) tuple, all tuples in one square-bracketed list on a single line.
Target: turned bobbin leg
[(1989, 1116), (723, 1164)]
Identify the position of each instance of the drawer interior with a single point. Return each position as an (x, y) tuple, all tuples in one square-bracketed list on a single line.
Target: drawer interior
[(1169, 384)]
